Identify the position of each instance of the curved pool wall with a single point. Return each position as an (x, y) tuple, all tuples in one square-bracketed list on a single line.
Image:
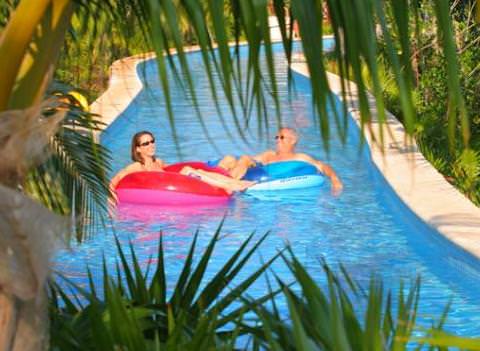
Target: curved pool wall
[(453, 258), (367, 228)]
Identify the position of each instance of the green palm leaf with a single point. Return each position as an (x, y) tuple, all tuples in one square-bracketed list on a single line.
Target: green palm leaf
[(332, 317), (133, 311), (72, 181)]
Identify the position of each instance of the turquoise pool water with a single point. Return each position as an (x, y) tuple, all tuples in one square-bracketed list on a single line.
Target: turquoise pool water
[(366, 228)]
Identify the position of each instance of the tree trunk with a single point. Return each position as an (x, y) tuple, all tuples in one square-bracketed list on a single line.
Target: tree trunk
[(8, 321), (32, 330), (23, 324)]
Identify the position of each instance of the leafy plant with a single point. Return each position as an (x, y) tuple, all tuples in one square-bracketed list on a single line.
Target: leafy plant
[(133, 310), (72, 179), (136, 311), (466, 170), (344, 316), (34, 33), (433, 128), (93, 43), (456, 160)]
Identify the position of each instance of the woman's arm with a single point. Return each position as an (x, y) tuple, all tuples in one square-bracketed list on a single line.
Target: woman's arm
[(113, 200), (134, 167), (161, 163)]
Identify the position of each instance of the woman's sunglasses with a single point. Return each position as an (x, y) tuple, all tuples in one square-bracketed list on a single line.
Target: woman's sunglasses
[(146, 143), (281, 137)]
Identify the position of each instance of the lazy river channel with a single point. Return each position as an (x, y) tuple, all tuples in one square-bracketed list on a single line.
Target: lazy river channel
[(366, 228)]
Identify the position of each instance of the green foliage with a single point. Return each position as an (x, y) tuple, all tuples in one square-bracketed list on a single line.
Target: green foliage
[(137, 313), (72, 180), (344, 316), (99, 31), (134, 311), (433, 127), (93, 43), (466, 171), (459, 165), (329, 319)]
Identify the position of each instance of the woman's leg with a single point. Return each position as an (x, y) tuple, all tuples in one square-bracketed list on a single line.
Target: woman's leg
[(217, 179)]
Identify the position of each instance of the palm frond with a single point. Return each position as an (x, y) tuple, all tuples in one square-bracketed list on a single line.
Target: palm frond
[(72, 180)]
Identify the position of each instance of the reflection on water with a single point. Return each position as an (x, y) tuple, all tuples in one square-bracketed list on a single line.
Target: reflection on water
[(150, 214)]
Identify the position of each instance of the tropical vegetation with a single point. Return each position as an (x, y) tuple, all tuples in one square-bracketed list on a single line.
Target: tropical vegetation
[(457, 158), (52, 166), (134, 310)]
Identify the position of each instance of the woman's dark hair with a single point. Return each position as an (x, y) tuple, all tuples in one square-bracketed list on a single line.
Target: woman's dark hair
[(135, 142)]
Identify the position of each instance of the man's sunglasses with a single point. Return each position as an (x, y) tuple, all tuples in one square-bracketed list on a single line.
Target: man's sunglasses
[(281, 137), (146, 143)]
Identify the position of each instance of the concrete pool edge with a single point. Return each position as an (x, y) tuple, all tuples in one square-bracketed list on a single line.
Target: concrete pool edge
[(421, 188), (414, 180), (124, 84)]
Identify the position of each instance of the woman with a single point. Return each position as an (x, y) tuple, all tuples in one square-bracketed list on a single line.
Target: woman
[(143, 157)]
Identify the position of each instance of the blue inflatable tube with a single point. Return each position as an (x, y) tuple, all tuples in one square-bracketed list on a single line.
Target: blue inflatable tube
[(284, 175)]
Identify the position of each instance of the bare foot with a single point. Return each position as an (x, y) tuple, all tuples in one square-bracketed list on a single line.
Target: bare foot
[(186, 170)]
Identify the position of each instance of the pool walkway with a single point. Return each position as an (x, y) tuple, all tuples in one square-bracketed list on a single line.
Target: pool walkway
[(123, 86), (417, 183)]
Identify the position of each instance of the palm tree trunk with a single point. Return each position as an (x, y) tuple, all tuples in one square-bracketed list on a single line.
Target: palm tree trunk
[(32, 326), (8, 319), (23, 324), (28, 232)]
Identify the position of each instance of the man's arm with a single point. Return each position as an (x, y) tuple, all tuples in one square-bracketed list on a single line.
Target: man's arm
[(325, 169)]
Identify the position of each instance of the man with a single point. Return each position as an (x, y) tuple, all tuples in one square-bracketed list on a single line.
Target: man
[(286, 140)]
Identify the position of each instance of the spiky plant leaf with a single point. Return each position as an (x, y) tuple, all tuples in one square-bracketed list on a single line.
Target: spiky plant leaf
[(131, 310)]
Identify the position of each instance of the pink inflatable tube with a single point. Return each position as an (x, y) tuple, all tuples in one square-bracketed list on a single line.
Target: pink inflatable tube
[(170, 188)]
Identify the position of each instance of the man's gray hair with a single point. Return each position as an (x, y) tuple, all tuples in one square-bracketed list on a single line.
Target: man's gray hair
[(291, 130)]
